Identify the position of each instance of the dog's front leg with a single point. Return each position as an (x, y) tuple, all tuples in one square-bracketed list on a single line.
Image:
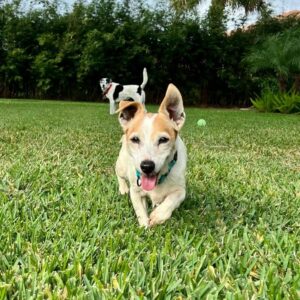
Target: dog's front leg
[(140, 207), (164, 211), (112, 106)]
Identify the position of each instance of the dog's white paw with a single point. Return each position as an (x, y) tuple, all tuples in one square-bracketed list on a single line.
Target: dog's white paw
[(159, 216), (123, 188), (144, 222)]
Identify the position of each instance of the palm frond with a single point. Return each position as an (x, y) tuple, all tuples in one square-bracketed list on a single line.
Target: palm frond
[(279, 53)]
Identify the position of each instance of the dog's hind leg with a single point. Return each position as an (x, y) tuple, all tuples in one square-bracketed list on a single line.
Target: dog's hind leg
[(112, 106), (143, 100)]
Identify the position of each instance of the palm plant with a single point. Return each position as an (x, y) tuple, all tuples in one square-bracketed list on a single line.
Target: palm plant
[(249, 5), (279, 54)]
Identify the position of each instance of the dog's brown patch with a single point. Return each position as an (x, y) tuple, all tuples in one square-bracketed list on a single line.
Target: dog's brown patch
[(136, 123), (162, 123)]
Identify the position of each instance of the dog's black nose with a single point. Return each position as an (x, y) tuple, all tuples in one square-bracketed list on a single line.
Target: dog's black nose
[(147, 166)]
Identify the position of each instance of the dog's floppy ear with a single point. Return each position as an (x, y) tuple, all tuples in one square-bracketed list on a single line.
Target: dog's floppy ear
[(127, 111), (172, 106)]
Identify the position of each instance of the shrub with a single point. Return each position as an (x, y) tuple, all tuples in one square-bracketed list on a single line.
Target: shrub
[(278, 56), (285, 103)]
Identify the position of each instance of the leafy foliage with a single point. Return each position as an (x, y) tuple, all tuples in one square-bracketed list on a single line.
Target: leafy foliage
[(278, 54), (51, 53), (283, 102), (248, 5)]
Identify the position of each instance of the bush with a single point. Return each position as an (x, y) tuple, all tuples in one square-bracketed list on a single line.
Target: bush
[(285, 103)]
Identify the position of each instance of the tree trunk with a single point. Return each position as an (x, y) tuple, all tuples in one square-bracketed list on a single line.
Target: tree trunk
[(282, 84), (296, 86)]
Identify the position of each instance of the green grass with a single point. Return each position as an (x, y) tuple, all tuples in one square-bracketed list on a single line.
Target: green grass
[(67, 233)]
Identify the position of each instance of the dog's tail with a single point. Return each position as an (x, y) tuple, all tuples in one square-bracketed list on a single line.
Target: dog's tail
[(145, 78)]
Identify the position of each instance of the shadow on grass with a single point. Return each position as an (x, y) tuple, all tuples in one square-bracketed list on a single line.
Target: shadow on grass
[(214, 210)]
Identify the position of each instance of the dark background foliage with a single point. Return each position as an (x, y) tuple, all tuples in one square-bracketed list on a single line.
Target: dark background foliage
[(50, 53)]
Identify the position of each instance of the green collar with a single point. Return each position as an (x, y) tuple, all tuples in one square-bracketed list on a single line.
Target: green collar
[(163, 177)]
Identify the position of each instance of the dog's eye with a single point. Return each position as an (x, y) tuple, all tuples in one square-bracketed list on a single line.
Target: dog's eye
[(163, 140), (135, 140)]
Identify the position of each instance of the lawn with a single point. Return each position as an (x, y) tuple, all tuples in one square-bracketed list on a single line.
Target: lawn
[(67, 233)]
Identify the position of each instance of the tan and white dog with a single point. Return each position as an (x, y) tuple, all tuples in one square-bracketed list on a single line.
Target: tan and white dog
[(153, 157)]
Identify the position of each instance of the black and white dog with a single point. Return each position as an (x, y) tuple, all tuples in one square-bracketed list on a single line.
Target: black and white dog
[(116, 92)]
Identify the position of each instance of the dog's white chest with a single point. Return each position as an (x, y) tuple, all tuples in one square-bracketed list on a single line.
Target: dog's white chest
[(156, 196)]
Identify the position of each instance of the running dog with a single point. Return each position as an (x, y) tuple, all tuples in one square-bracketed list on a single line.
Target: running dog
[(153, 157), (116, 92)]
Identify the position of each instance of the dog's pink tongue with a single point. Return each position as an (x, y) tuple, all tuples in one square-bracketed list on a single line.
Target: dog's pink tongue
[(148, 183)]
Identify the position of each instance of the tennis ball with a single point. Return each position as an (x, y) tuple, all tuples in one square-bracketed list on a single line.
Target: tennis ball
[(201, 122)]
